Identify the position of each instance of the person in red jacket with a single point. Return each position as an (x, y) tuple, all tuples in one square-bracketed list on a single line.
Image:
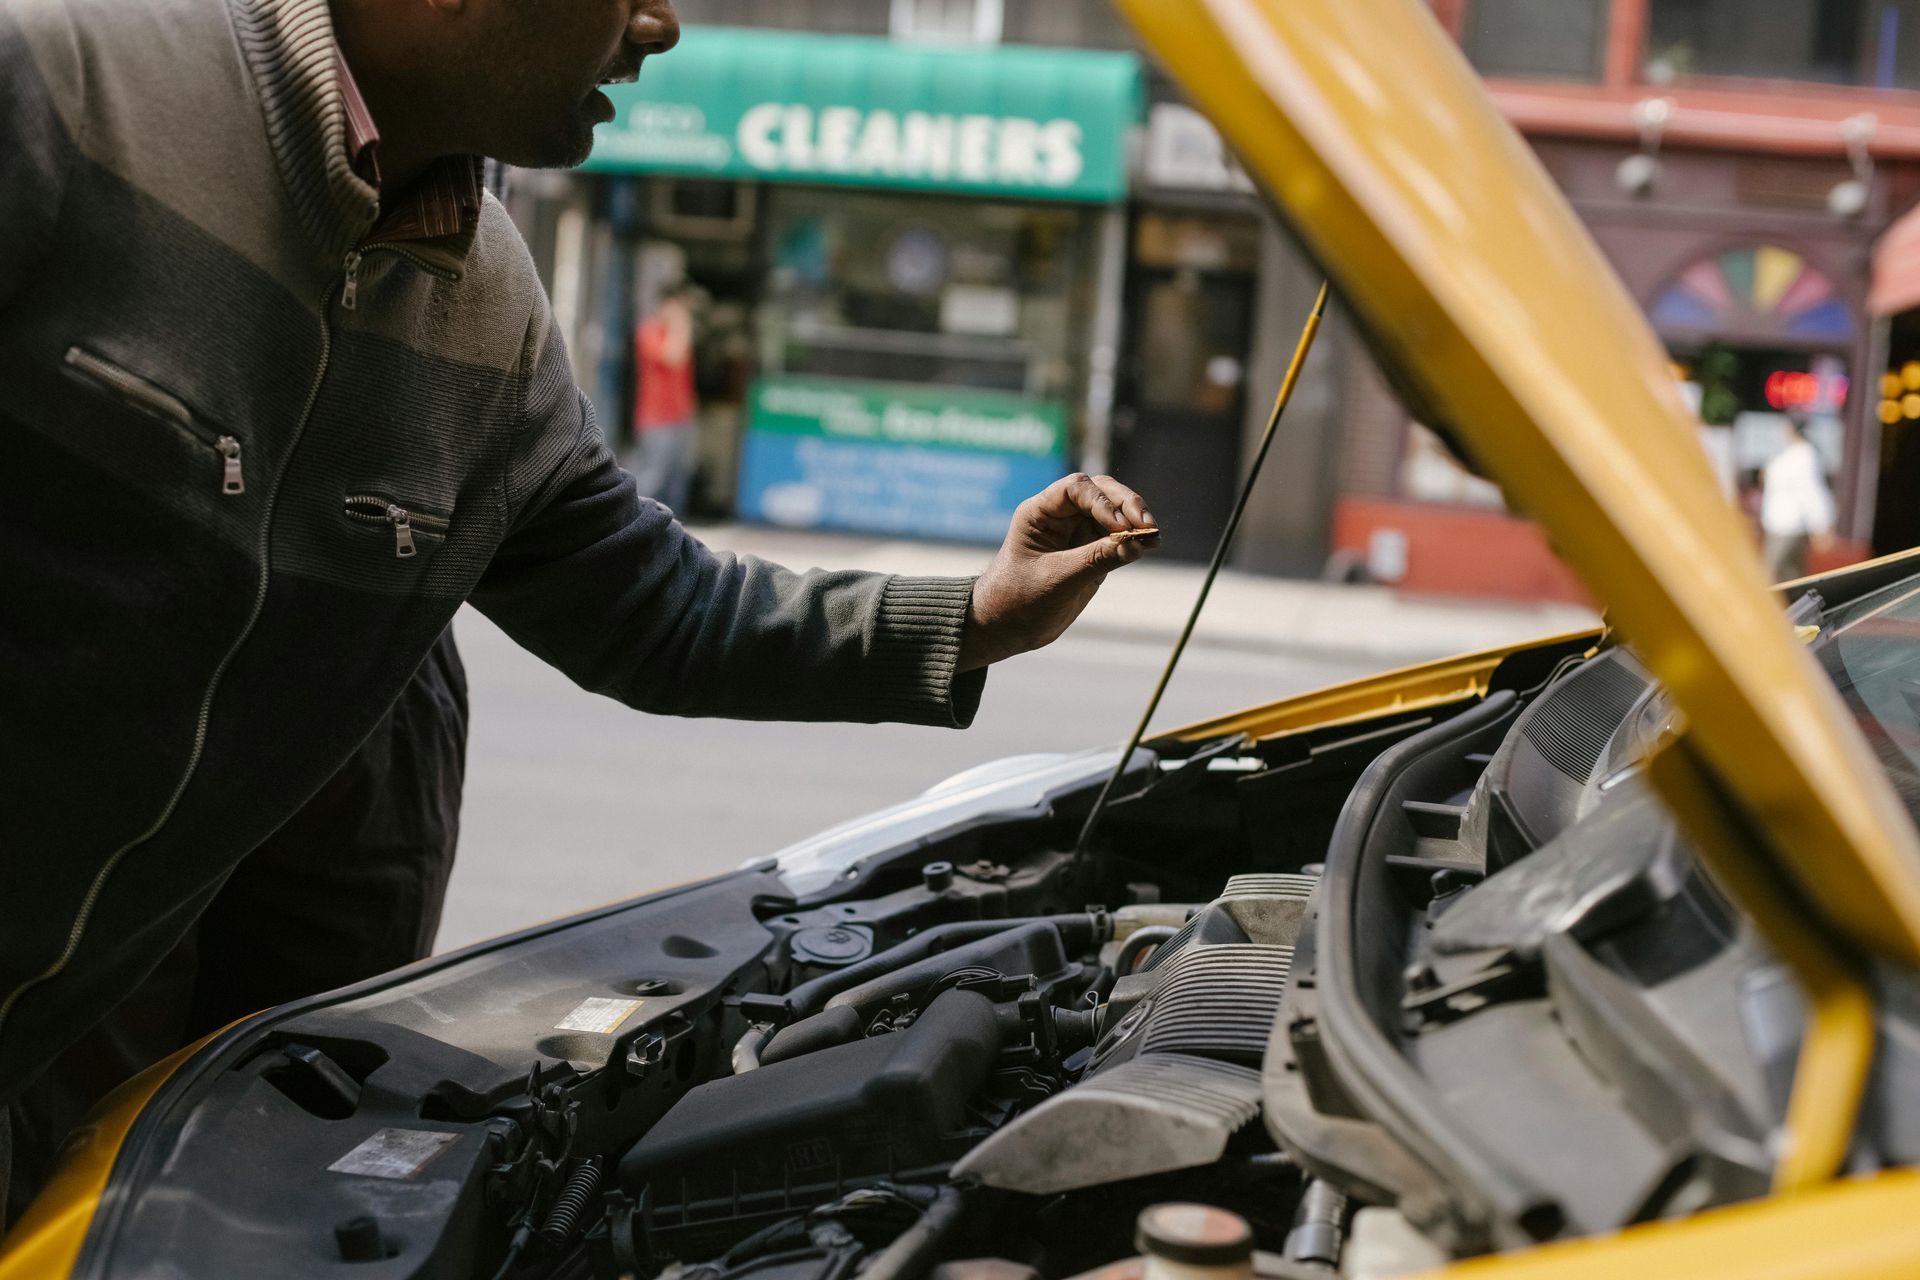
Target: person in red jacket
[(666, 412)]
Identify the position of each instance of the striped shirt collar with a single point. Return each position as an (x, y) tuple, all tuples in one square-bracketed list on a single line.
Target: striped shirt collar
[(444, 201)]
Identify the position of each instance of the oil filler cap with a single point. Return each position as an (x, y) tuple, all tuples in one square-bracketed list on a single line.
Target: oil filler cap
[(1194, 1235), (832, 946)]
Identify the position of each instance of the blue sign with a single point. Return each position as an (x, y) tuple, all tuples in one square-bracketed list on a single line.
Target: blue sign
[(813, 483), (920, 462)]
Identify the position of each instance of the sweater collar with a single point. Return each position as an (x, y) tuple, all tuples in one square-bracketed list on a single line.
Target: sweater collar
[(290, 49), (442, 202)]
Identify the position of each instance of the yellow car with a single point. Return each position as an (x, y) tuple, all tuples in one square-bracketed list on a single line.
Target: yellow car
[(1593, 957)]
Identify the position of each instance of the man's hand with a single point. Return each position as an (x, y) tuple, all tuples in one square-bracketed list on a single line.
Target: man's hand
[(1058, 551)]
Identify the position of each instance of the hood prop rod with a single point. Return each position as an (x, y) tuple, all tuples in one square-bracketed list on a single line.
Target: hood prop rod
[(1300, 350)]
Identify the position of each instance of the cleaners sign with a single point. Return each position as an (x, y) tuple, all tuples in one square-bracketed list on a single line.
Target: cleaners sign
[(1008, 151), (785, 106), (928, 462)]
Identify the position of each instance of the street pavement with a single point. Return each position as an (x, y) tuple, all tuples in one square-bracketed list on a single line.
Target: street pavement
[(573, 800)]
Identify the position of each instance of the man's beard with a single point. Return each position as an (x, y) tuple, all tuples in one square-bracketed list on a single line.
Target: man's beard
[(562, 146), (548, 138), (535, 131)]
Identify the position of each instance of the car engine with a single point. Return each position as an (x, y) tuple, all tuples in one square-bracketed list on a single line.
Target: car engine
[(1363, 999)]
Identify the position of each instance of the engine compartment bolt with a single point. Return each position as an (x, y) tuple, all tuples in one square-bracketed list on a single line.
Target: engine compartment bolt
[(938, 876)]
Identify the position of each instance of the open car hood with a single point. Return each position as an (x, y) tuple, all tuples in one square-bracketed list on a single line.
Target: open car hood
[(1496, 314)]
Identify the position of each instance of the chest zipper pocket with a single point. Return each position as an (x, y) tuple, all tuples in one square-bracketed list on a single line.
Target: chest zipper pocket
[(133, 390), (405, 522)]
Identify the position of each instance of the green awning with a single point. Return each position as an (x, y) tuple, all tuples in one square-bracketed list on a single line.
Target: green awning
[(1004, 120)]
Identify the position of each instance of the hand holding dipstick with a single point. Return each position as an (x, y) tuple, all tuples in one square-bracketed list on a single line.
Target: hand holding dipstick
[(1060, 545)]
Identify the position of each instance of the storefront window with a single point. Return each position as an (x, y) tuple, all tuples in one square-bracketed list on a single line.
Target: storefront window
[(976, 21), (1559, 39), (1858, 42), (1192, 310), (1192, 297), (1079, 24), (1748, 399), (902, 289), (834, 17)]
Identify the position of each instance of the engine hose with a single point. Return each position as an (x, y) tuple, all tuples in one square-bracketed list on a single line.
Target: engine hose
[(564, 1218), (911, 1252), (809, 997), (1065, 936), (1079, 931), (746, 1050), (1139, 942)]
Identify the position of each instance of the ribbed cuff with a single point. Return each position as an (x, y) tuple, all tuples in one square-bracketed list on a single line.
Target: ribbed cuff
[(916, 647)]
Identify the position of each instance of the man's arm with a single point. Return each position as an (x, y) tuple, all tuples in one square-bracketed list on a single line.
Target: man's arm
[(36, 154), (607, 586)]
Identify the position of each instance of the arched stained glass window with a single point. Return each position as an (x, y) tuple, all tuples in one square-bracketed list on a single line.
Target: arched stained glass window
[(1754, 290)]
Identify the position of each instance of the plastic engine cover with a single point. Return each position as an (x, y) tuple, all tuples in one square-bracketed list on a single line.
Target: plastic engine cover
[(874, 1108)]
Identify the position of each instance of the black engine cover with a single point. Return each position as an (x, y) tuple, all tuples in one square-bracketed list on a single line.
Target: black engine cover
[(875, 1108)]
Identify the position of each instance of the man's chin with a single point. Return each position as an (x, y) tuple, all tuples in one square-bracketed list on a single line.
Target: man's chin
[(562, 146)]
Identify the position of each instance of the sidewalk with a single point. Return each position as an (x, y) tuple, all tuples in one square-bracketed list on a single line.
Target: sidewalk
[(1149, 601)]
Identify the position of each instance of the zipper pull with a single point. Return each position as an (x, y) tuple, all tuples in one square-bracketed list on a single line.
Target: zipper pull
[(402, 531), (350, 291), (231, 479)]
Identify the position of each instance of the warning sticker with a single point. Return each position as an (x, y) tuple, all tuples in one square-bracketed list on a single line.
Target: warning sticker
[(393, 1153), (602, 1014)]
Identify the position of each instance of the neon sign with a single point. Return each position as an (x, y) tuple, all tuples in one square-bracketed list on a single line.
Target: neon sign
[(1791, 389)]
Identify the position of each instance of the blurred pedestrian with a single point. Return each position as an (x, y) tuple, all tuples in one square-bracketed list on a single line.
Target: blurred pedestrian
[(1796, 507), (666, 429)]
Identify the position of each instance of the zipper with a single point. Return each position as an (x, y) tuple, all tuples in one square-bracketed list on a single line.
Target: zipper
[(366, 507), (231, 478), (350, 290), (263, 547), (168, 408)]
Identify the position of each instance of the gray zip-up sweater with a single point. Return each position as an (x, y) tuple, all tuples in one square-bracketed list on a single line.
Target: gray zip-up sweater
[(235, 511)]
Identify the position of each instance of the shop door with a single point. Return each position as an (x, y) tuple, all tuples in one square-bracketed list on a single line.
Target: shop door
[(1178, 432)]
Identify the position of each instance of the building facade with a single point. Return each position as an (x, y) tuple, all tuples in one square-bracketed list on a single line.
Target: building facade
[(1738, 161), (948, 249)]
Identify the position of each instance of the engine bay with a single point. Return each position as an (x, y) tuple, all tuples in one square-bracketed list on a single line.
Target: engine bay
[(1393, 992)]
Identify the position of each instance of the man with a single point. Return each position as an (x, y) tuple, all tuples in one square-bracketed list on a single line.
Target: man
[(666, 428), (1796, 507), (276, 407)]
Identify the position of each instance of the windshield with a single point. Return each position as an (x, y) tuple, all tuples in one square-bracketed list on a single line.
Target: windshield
[(1870, 649)]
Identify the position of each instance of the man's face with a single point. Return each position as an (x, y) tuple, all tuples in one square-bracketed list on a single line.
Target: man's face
[(536, 66)]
